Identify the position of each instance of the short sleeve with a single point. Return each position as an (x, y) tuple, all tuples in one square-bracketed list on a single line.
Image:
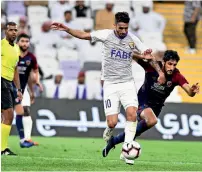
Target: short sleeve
[(100, 35), (138, 44), (34, 62), (181, 80)]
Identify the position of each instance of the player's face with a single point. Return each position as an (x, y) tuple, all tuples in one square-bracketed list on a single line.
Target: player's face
[(24, 44), (121, 29), (170, 66), (11, 33)]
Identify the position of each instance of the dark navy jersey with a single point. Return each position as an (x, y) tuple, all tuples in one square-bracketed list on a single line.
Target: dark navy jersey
[(153, 94), (25, 65)]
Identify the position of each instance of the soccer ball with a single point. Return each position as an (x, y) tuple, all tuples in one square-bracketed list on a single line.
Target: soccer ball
[(131, 150)]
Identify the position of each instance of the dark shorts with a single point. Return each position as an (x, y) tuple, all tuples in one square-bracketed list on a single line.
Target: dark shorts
[(7, 94), (156, 110)]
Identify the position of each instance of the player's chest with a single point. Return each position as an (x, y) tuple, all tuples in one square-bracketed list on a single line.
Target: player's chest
[(24, 63), (119, 49)]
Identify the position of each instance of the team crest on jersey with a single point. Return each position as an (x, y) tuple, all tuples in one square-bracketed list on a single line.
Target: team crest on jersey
[(131, 45), (169, 83), (28, 62)]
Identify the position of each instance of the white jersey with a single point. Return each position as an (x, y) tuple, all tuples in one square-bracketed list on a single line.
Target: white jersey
[(117, 54)]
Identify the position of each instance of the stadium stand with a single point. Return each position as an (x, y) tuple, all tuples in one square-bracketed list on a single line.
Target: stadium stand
[(56, 52)]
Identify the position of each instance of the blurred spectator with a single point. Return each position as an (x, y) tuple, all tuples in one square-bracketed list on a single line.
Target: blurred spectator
[(105, 18), (191, 18), (94, 53), (149, 26), (23, 26), (55, 88), (149, 22), (71, 43), (80, 10), (58, 9), (81, 92), (46, 38)]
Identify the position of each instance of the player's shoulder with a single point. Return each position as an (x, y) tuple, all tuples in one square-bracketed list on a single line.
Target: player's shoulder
[(132, 36), (177, 74), (31, 55)]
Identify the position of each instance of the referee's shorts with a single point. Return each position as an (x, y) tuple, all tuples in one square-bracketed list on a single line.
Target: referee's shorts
[(7, 94)]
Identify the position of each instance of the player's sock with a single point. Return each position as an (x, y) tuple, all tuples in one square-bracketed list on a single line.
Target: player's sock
[(5, 132), (119, 138), (130, 131), (20, 127), (141, 127), (27, 124)]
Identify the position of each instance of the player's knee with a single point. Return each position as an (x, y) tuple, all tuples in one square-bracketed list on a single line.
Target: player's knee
[(151, 122), (131, 114), (26, 111), (8, 116), (111, 123)]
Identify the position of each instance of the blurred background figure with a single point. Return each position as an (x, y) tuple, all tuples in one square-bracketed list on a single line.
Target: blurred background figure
[(150, 26), (57, 9), (104, 19), (54, 88), (23, 26), (191, 18), (81, 10), (81, 91)]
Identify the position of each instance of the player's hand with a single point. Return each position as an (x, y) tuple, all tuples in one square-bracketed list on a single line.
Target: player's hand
[(58, 26), (161, 79), (148, 51), (195, 88), (40, 86), (19, 94)]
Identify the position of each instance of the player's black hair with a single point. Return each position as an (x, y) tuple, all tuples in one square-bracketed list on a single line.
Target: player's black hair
[(22, 35), (122, 17), (10, 24), (171, 55), (66, 12)]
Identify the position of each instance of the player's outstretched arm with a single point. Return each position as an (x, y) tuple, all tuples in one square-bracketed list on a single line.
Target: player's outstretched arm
[(191, 90), (76, 33)]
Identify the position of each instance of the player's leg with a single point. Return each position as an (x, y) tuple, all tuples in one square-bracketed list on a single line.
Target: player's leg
[(128, 98), (112, 109), (27, 120), (7, 103), (147, 119), (27, 124)]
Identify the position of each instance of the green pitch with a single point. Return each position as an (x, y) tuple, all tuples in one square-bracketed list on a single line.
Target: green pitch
[(81, 154)]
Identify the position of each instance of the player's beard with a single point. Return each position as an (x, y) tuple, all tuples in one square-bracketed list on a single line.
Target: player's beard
[(23, 49)]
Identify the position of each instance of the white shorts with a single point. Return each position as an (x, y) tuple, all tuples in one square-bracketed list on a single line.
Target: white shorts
[(26, 98), (117, 94)]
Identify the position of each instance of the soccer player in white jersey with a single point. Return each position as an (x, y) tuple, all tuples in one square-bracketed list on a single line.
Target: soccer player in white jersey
[(119, 46)]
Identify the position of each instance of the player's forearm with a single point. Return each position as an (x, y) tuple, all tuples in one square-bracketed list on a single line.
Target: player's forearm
[(37, 78), (16, 79), (78, 34), (154, 63), (137, 55), (31, 85)]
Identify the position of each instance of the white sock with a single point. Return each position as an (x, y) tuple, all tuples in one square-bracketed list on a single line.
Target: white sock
[(130, 131), (27, 123)]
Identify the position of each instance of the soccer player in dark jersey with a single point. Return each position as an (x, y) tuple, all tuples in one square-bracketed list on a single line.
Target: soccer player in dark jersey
[(26, 65), (152, 95)]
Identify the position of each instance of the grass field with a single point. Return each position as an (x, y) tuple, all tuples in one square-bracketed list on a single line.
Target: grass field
[(81, 154)]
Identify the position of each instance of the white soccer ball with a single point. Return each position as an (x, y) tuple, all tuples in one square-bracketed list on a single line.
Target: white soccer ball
[(131, 150)]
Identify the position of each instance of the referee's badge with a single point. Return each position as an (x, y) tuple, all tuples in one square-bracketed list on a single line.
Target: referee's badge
[(28, 62), (131, 45)]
